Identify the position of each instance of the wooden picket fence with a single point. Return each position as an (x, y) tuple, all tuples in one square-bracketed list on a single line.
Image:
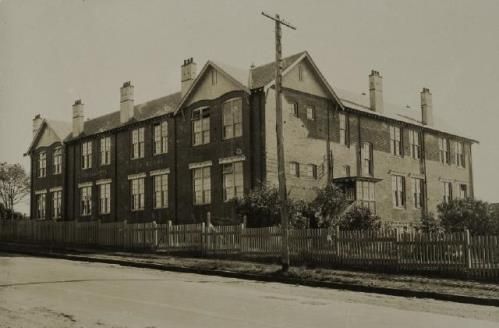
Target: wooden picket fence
[(458, 254)]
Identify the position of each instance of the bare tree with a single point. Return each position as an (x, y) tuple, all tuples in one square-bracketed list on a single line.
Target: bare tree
[(14, 185)]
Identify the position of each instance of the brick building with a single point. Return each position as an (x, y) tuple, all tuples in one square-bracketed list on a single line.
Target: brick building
[(190, 152)]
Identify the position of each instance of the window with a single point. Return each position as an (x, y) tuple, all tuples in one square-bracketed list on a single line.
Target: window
[(42, 164), (105, 151), (105, 198), (398, 191), (395, 141), (367, 159), (40, 206), (232, 118), (447, 191), (294, 109), (233, 180), (202, 185), (459, 154), (415, 144), (365, 195), (343, 129), (160, 191), (160, 138), (57, 160), (463, 191), (311, 171), (294, 169), (56, 204), (346, 169), (86, 155), (86, 201), (138, 143), (444, 154), (300, 72), (137, 194), (200, 126), (417, 188), (214, 77), (311, 113)]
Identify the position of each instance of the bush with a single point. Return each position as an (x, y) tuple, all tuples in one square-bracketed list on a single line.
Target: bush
[(359, 218), (329, 204), (429, 224), (474, 215), (261, 207)]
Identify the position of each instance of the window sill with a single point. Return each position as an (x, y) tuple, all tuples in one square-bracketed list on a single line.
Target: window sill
[(160, 208), (159, 154), (399, 208), (231, 138), (137, 210), (136, 158)]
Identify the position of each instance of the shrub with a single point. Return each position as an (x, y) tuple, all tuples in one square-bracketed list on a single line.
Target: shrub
[(359, 218), (474, 215), (329, 204)]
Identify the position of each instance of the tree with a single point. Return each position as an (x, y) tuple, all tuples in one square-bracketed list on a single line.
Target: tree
[(329, 205), (359, 218), (260, 206), (14, 185), (474, 215)]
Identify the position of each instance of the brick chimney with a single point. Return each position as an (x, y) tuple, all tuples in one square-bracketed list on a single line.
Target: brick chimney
[(126, 102), (376, 91), (37, 123), (188, 74), (78, 118), (426, 107)]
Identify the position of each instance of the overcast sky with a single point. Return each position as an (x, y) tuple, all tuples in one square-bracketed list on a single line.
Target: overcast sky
[(53, 52)]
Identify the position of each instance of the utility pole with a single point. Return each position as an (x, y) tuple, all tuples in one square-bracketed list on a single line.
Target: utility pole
[(281, 171)]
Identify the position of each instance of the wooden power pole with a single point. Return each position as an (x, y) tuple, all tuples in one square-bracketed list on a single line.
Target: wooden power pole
[(281, 171)]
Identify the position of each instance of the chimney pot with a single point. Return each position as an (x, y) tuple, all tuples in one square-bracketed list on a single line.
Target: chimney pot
[(187, 75), (78, 117), (37, 123), (126, 102), (426, 107), (376, 91)]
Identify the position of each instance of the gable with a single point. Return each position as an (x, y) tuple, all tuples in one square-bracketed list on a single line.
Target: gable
[(310, 82), (47, 138), (205, 89)]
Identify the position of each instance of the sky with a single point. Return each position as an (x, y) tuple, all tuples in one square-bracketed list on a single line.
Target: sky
[(53, 52)]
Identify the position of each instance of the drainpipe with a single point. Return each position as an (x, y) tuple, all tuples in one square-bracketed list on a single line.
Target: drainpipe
[(424, 210)]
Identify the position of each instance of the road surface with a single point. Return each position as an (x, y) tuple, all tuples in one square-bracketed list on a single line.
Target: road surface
[(40, 292)]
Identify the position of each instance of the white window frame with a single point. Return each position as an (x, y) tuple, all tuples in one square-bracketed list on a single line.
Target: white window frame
[(311, 113), (459, 153), (104, 198), (138, 143), (447, 191), (294, 109), (233, 180), (418, 192), (398, 191), (42, 164), (415, 143), (86, 201), (86, 155), (160, 187), (343, 129), (366, 195), (311, 171), (232, 118), (105, 151), (201, 126), (56, 204), (57, 160), (201, 185), (463, 192), (137, 196), (41, 204), (367, 159), (160, 137), (396, 140), (444, 150), (294, 169)]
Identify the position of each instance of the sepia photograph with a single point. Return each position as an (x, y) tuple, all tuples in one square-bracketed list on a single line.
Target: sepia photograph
[(230, 163)]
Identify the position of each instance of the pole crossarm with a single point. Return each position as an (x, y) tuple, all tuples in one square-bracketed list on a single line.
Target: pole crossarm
[(277, 19)]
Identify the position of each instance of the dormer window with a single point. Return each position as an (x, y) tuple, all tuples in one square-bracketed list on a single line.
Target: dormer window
[(86, 155)]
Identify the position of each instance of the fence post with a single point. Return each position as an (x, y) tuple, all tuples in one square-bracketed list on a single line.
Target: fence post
[(124, 235), (155, 234), (468, 249), (203, 238), (98, 233), (337, 237), (169, 234)]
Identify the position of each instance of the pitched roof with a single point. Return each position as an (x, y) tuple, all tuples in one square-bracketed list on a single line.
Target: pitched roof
[(144, 111), (264, 74), (360, 102), (61, 129)]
